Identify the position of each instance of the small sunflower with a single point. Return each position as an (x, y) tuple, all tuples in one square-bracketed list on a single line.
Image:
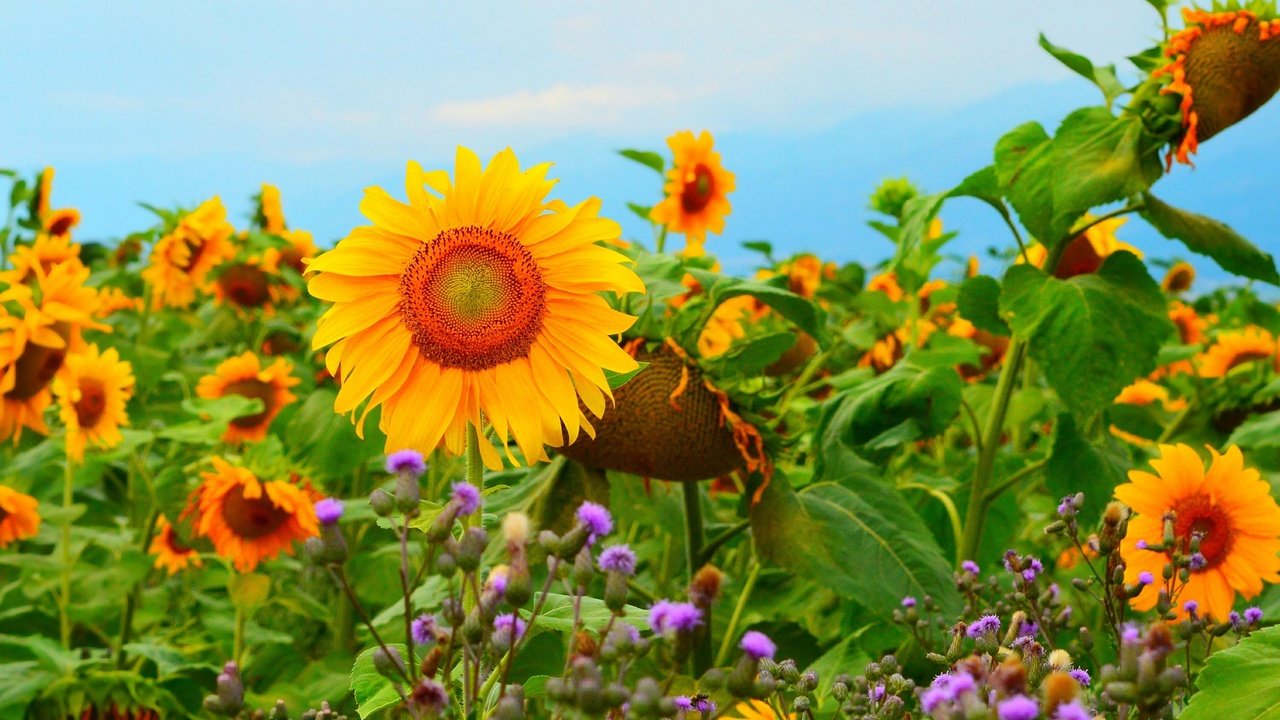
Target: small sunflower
[(725, 325), (249, 520), (270, 210), (697, 190), (56, 223), (171, 553), (755, 710), (1179, 278), (1145, 392), (1235, 348), (299, 249), (1229, 507), (249, 285), (244, 375), (181, 261), (1189, 323), (18, 516), (92, 390), (483, 298)]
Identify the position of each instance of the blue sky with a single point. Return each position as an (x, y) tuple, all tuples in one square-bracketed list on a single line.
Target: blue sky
[(811, 103)]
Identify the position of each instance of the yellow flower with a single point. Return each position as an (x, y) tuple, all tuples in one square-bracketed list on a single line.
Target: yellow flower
[(1179, 278), (57, 223), (1085, 252), (1190, 325), (112, 300), (249, 520), (270, 209), (45, 252), (92, 390), (244, 375), (181, 260), (1228, 505), (755, 710), (171, 553), (250, 285), (18, 516), (725, 326), (1232, 349), (479, 297), (697, 190)]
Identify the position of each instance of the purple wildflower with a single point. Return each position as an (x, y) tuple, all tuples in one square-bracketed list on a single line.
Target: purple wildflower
[(908, 602), (1191, 607), (618, 558), (1018, 707), (467, 497), (1067, 508), (666, 616), (1028, 629), (508, 628), (970, 566), (1145, 578), (987, 624), (1072, 711), (409, 462), (757, 645), (946, 688), (1253, 615), (683, 702), (328, 511), (1081, 676), (597, 519), (1197, 561), (1130, 634), (429, 697), (424, 630), (1141, 544), (876, 694), (706, 706)]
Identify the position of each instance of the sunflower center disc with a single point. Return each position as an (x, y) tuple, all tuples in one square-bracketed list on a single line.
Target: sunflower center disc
[(253, 388), (92, 402), (698, 190), (36, 366), (251, 517), (246, 285), (473, 298), (195, 248), (1198, 514)]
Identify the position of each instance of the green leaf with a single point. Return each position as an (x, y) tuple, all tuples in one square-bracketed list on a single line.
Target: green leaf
[(719, 288), (249, 591), (646, 158), (1092, 334), (1259, 431), (753, 355), (979, 303), (617, 379), (760, 246), (1020, 172), (557, 613), (641, 211), (845, 657), (1079, 465), (867, 544), (373, 691), (1206, 236), (907, 403), (1240, 681), (212, 415), (1104, 77)]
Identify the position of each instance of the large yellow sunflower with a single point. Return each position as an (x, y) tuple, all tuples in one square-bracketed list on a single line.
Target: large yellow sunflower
[(93, 389), (481, 299), (244, 375), (270, 209), (1189, 323), (171, 553), (249, 520), (1235, 348), (697, 190), (1228, 505), (181, 260), (18, 516)]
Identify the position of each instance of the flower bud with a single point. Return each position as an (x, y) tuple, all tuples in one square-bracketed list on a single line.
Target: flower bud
[(583, 569), (230, 689), (471, 547), (515, 528), (704, 589), (445, 564), (388, 662), (382, 503), (407, 494), (615, 591)]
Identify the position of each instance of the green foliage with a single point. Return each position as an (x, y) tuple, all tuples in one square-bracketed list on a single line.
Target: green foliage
[(979, 303), (1206, 236), (1241, 678), (1104, 77), (907, 403), (1078, 463), (373, 691), (645, 157)]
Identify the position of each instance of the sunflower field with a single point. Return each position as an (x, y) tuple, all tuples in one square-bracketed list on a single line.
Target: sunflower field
[(484, 457)]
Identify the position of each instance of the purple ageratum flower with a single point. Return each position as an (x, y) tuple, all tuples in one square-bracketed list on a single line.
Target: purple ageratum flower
[(987, 624), (947, 687), (1253, 615), (1141, 544), (409, 462), (666, 616), (424, 630), (757, 645), (1234, 618), (1130, 634), (466, 496), (1145, 578), (908, 602), (620, 559), (683, 702), (597, 519), (328, 511), (1018, 707), (1072, 711), (1191, 607), (876, 693), (706, 706), (1028, 629), (1081, 676), (970, 566), (1197, 561), (508, 628)]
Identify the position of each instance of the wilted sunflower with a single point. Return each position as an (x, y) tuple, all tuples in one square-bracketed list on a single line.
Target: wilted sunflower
[(92, 389), (244, 375), (1179, 278), (171, 553), (1224, 65), (1235, 348), (57, 223), (1228, 505), (18, 516), (181, 260), (697, 190), (270, 209), (249, 520), (481, 299)]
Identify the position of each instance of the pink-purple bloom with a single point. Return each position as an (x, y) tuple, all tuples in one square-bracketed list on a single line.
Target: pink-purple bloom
[(508, 628), (597, 519), (946, 688), (1081, 676), (757, 645), (1018, 707), (1145, 578), (970, 566), (669, 617), (409, 462), (1072, 711), (467, 497), (1253, 615), (987, 624), (328, 511), (620, 559), (424, 629), (908, 602)]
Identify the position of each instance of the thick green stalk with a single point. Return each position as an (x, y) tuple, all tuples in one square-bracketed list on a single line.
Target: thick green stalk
[(64, 598), (693, 536)]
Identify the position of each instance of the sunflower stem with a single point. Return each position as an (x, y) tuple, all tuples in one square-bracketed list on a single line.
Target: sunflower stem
[(64, 598), (727, 642), (693, 536), (475, 473), (238, 648)]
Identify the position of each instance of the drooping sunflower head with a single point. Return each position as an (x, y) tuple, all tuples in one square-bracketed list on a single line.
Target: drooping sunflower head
[(1224, 513), (171, 552), (250, 520), (19, 518), (92, 390), (1179, 278), (1234, 348), (1223, 65), (697, 189), (479, 296), (270, 209), (245, 375), (181, 260)]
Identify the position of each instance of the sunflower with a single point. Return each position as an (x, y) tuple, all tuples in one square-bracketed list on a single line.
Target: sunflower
[(755, 710), (481, 299), (1228, 507), (171, 553), (56, 223), (181, 260), (250, 285), (1179, 278), (92, 390), (1224, 65), (1190, 325), (18, 517), (697, 190), (300, 247), (886, 284), (1232, 349), (1143, 393), (1084, 253), (244, 375), (45, 252), (249, 520), (725, 326), (112, 300), (270, 210)]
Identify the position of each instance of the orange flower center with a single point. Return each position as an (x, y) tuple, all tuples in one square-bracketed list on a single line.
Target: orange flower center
[(473, 298), (245, 285), (36, 366), (1199, 514), (251, 518), (698, 190), (92, 402), (61, 224), (253, 388)]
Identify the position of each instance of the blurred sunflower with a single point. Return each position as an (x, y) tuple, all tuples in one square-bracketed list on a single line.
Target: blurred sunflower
[(1086, 252), (245, 376), (249, 520), (300, 247), (270, 210), (45, 252), (725, 326), (57, 223), (1179, 278), (112, 300), (481, 299), (1189, 323), (1228, 506), (1143, 393), (19, 518), (182, 260), (249, 285), (92, 389), (755, 710), (171, 553), (1235, 348), (697, 190)]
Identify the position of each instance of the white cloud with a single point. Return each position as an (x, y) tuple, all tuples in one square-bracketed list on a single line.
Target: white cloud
[(562, 106)]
